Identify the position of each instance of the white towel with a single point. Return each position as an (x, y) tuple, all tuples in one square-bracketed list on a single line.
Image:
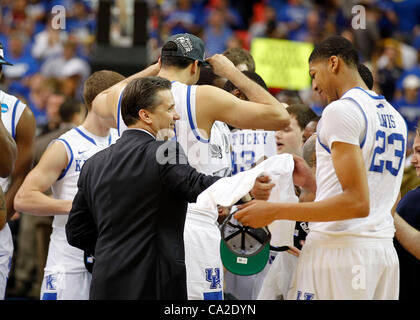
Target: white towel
[(227, 191)]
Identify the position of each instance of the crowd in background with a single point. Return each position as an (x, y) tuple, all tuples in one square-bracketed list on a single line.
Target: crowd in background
[(50, 64)]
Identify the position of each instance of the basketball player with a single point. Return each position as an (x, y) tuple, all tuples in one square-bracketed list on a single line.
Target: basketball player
[(19, 122), (199, 108), (349, 253), (7, 159), (65, 276), (8, 154)]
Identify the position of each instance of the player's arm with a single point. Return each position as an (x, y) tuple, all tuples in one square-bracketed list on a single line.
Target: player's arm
[(408, 236), (263, 111), (25, 141), (31, 198), (3, 210), (105, 103), (8, 151), (352, 203)]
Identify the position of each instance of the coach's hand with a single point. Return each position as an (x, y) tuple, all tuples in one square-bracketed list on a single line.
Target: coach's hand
[(221, 65), (256, 213), (262, 188)]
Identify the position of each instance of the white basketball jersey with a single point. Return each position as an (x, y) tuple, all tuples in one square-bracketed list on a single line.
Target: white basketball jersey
[(80, 145), (11, 110), (383, 145), (249, 146)]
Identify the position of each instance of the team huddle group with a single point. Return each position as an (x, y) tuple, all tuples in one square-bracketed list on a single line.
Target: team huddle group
[(127, 185)]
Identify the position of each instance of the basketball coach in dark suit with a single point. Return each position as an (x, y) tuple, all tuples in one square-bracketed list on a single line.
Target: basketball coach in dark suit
[(132, 200)]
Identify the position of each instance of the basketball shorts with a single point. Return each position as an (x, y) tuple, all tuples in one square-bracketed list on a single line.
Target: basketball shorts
[(367, 269), (5, 264), (66, 286), (277, 281), (202, 258)]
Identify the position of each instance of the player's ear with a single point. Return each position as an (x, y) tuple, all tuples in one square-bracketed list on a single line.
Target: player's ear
[(194, 67), (333, 63)]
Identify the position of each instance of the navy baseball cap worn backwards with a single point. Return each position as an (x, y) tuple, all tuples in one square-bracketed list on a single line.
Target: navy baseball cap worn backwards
[(187, 46), (243, 250), (2, 61)]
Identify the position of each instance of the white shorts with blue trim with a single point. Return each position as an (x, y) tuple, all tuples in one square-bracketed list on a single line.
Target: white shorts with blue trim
[(202, 258), (66, 286), (328, 270)]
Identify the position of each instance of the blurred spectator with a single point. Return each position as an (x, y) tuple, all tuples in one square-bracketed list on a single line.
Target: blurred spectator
[(232, 16), (18, 75), (36, 11), (409, 104), (292, 17), (48, 42), (312, 32), (407, 14), (217, 33), (389, 68), (184, 18), (366, 39), (82, 24), (69, 67), (37, 99), (265, 22), (52, 109)]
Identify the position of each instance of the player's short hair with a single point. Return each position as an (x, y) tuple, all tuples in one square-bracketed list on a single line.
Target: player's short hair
[(229, 86), (302, 113), (69, 108), (207, 76), (239, 56), (366, 75), (418, 130), (174, 61), (98, 82), (141, 94), (336, 46)]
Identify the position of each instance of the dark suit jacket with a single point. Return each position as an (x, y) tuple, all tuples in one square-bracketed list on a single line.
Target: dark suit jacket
[(133, 207)]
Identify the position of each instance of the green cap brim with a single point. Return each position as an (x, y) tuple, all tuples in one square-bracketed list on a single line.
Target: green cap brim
[(244, 266)]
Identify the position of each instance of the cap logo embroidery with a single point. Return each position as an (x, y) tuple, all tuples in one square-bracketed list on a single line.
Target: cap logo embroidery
[(185, 43)]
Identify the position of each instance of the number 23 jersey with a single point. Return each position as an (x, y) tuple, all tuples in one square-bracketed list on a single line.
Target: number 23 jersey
[(362, 118)]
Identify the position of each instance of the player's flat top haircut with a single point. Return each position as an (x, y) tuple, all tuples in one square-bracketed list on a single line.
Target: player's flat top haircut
[(336, 46)]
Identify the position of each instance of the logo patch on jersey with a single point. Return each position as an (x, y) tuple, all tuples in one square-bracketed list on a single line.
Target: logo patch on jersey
[(50, 282), (213, 276), (4, 108), (215, 151)]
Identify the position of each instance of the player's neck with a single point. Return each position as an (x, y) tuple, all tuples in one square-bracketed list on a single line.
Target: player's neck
[(95, 125), (349, 81), (174, 74)]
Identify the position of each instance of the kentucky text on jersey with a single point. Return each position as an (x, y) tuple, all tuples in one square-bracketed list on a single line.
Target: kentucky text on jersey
[(251, 138)]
